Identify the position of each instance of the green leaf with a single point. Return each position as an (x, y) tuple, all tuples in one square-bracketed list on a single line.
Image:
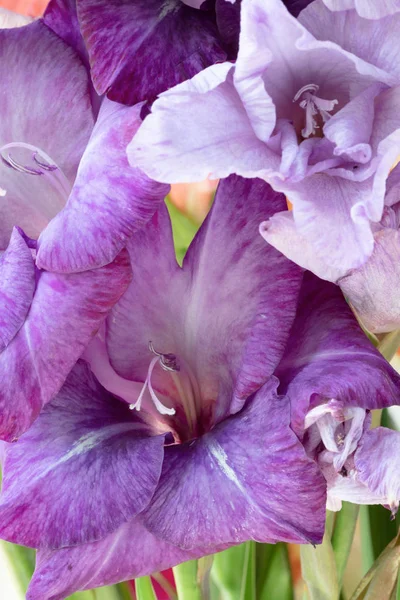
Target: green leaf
[(248, 587), (186, 581), (343, 534), (183, 230), (144, 589), (273, 574), (318, 567), (22, 561), (234, 572), (389, 344), (380, 583)]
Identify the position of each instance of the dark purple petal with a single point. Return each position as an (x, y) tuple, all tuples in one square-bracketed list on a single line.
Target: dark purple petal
[(227, 313), (249, 478), (109, 201), (130, 552), (244, 293), (17, 285), (39, 71), (296, 6), (329, 357), (377, 464), (85, 467), (66, 312), (139, 49), (61, 17), (228, 21)]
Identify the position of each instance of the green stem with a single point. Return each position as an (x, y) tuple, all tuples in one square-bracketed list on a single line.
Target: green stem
[(342, 537), (248, 589), (318, 567), (186, 581), (389, 344), (144, 589)]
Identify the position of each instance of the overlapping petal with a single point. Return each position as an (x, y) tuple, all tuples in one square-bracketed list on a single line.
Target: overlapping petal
[(85, 467), (248, 464), (109, 201), (329, 357), (138, 50), (17, 285), (200, 129), (373, 288), (227, 312), (130, 552), (58, 123), (369, 9), (376, 461), (354, 32), (62, 18), (66, 312)]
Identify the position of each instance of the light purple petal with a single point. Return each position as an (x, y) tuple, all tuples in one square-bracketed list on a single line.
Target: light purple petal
[(84, 468), (336, 207), (110, 200), (373, 288), (281, 232), (17, 285), (329, 357), (249, 478), (350, 129), (130, 552), (66, 312), (200, 129), (38, 70), (137, 50), (10, 19), (354, 33), (369, 9), (227, 313), (377, 464)]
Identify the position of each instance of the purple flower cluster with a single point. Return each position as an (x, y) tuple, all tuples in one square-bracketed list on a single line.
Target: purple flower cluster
[(152, 413)]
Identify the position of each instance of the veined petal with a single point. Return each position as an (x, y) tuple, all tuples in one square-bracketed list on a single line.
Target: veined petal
[(17, 285), (281, 232), (249, 478), (244, 293), (110, 199), (85, 467), (38, 70), (377, 461), (372, 288), (130, 552), (149, 48), (66, 312), (227, 313), (369, 9), (329, 357), (61, 17), (353, 31), (337, 207), (200, 129)]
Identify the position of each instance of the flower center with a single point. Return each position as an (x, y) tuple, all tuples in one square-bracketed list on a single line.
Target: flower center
[(316, 108), (37, 163), (185, 390)]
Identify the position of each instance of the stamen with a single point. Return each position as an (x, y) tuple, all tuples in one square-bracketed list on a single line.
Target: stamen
[(164, 410), (309, 87), (45, 166), (314, 106)]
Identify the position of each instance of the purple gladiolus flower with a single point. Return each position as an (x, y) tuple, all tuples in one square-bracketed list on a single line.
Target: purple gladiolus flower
[(305, 107), (53, 155), (183, 431)]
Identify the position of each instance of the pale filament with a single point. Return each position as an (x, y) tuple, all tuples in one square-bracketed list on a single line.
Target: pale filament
[(41, 165), (313, 106), (168, 363)]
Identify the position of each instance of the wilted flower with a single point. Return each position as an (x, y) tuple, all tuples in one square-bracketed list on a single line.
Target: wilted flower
[(304, 107), (179, 439)]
